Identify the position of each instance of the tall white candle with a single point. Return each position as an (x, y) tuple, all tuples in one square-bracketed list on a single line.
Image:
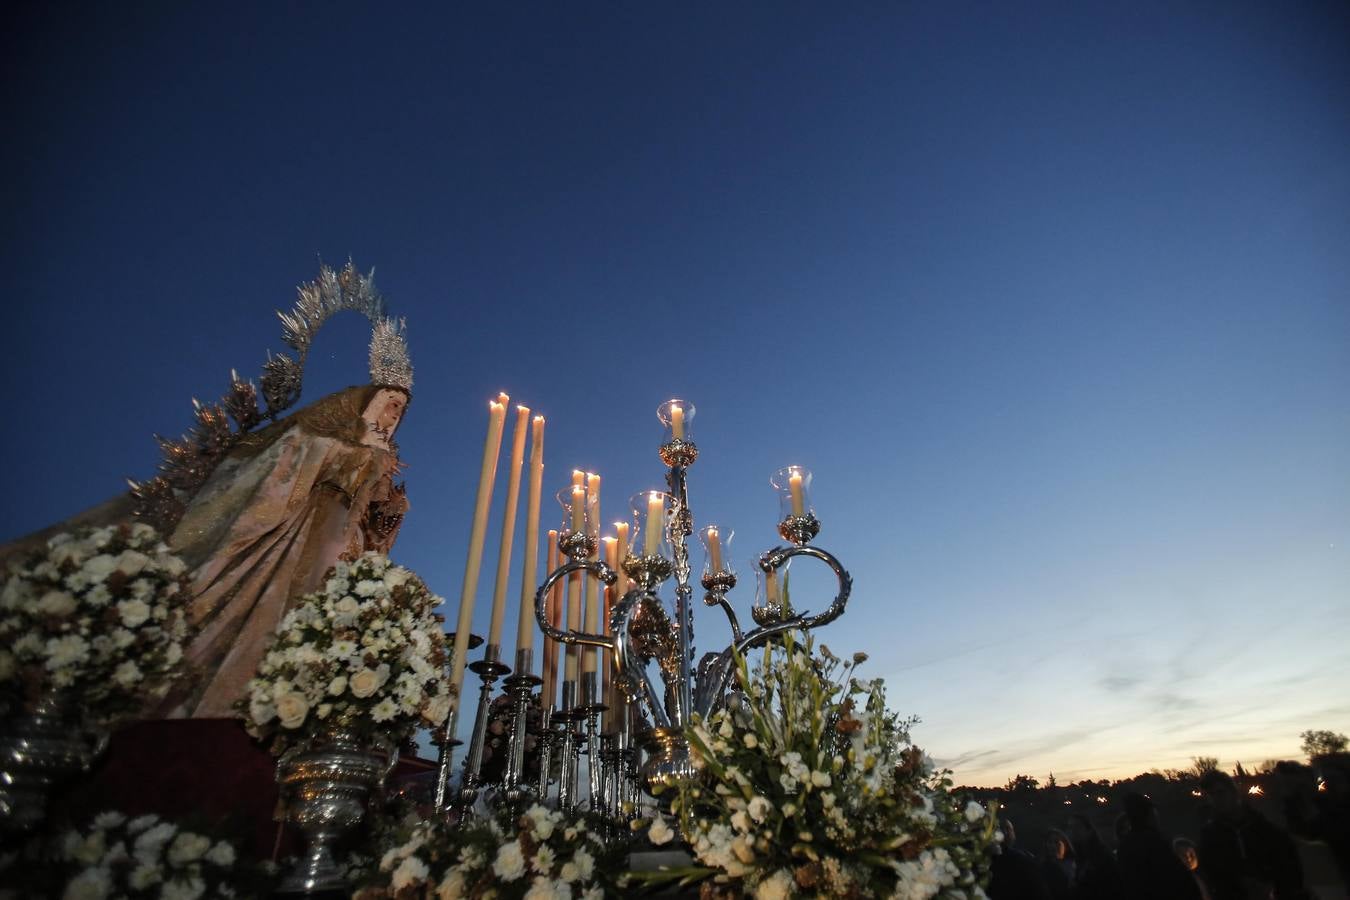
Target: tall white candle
[(592, 622), (486, 476), (795, 486), (655, 527), (508, 527), (677, 422), (529, 580), (621, 533), (573, 624)]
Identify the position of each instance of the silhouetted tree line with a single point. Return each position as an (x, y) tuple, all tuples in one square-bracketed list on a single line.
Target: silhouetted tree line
[(1198, 833)]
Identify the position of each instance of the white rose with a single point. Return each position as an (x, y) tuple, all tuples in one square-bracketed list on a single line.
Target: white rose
[(337, 685), (143, 876), (510, 862), (56, 603), (222, 854), (436, 710), (127, 674), (292, 709), (261, 711), (133, 612), (99, 567), (187, 847), (409, 871), (132, 561), (364, 683)]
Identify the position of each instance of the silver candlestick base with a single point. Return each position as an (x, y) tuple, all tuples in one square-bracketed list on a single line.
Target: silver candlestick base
[(489, 669), (520, 687)]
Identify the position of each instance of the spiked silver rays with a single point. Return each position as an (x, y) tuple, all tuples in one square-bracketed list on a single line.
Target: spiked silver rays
[(189, 460)]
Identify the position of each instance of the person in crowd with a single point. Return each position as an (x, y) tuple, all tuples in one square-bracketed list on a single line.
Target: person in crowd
[(1321, 815), (1243, 854), (1096, 876), (1014, 874), (1122, 829), (1148, 867), (1058, 866), (1189, 855)]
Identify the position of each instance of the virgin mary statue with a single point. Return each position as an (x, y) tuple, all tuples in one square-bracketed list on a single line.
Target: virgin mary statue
[(273, 517), (261, 516)]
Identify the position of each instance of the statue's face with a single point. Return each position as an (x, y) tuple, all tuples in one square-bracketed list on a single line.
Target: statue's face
[(384, 413)]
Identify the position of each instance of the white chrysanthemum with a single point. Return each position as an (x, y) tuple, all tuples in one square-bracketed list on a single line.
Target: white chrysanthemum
[(510, 862), (150, 842), (141, 823), (66, 650), (185, 889), (585, 863), (974, 812), (91, 884), (111, 819), (546, 889), (543, 861), (385, 710), (143, 876)]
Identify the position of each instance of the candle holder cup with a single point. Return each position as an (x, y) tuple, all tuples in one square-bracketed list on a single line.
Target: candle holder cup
[(677, 445)]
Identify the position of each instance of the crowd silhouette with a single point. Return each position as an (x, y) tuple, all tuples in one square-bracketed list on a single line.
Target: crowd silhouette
[(1239, 853)]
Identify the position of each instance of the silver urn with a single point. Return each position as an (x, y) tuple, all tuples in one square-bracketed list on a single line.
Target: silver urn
[(38, 751), (326, 786)]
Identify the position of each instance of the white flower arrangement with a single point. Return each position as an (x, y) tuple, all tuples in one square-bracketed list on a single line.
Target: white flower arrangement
[(97, 614), (810, 788), (144, 857), (541, 855), (366, 654)]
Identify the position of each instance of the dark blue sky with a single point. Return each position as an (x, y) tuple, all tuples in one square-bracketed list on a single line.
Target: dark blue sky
[(1054, 299)]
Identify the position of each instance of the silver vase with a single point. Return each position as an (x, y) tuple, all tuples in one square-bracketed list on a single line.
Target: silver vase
[(38, 751), (326, 786)]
